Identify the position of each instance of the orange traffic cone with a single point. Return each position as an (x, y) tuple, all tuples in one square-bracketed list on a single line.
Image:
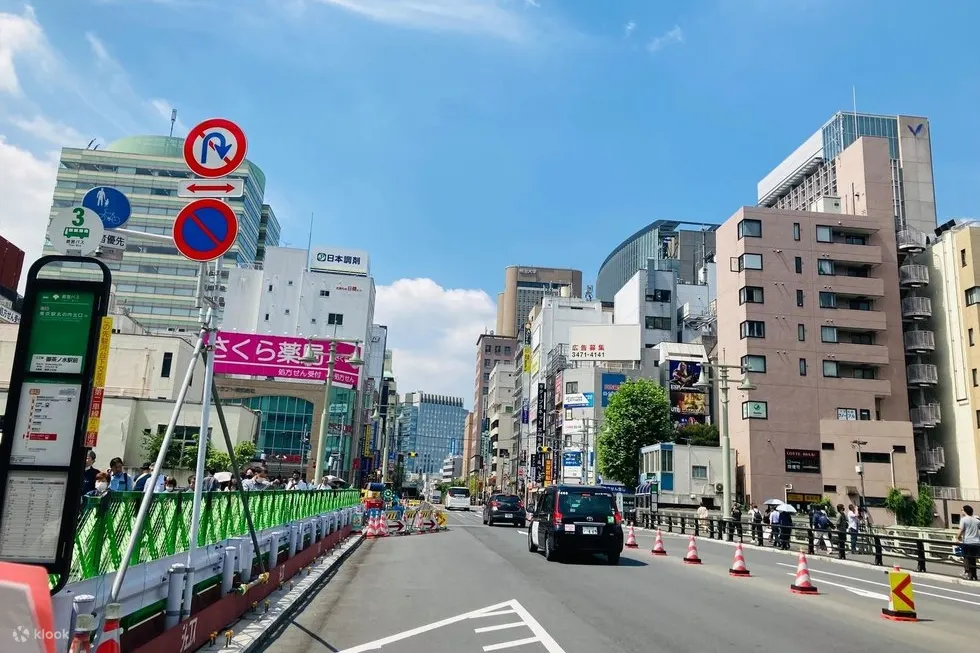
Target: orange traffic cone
[(692, 553), (802, 585), (372, 528), (738, 565), (383, 525), (109, 640), (658, 545), (631, 539)]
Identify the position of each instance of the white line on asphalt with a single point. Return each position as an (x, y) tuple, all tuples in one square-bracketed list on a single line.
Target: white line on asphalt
[(914, 587), (516, 642), (547, 640), (496, 613), (855, 590), (490, 629)]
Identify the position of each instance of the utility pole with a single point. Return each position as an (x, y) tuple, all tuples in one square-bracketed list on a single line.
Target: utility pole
[(859, 468)]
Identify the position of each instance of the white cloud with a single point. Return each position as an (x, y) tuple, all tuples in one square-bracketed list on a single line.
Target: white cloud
[(432, 333), (26, 185), (674, 35), (468, 16), (56, 133), (628, 29), (20, 36), (164, 109)]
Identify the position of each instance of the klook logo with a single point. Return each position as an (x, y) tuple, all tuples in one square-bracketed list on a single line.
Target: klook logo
[(24, 634)]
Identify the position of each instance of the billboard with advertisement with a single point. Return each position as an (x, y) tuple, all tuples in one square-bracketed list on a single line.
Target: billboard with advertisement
[(559, 390), (539, 413), (605, 342), (610, 384), (805, 461), (688, 420), (683, 376), (578, 400), (253, 354), (571, 465), (337, 259), (688, 403)]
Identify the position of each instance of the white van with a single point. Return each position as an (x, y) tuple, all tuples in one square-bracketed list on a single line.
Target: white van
[(457, 498)]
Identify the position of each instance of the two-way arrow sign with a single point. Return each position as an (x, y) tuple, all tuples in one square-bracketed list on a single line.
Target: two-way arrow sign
[(218, 188)]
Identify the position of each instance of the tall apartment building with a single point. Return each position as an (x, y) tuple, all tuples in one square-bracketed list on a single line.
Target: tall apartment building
[(524, 286), (430, 427), (814, 177), (153, 283), (808, 303), (502, 445), (661, 245), (490, 350), (954, 265)]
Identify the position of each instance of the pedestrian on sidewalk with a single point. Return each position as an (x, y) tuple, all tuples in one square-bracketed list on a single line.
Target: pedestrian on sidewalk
[(755, 516), (88, 476), (853, 524), (969, 538), (774, 527), (736, 525), (841, 526)]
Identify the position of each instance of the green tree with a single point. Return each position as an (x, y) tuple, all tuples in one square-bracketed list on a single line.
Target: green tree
[(179, 455), (638, 415), (911, 511), (702, 435), (925, 507)]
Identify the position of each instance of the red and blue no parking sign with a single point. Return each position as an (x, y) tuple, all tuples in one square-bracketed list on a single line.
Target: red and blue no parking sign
[(205, 229)]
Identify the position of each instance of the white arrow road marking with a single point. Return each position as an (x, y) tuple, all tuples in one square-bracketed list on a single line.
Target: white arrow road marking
[(508, 607), (916, 586)]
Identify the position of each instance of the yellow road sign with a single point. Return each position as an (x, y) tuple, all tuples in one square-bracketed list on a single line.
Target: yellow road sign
[(901, 598), (441, 519)]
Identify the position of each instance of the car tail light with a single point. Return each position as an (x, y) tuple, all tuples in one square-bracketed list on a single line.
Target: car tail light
[(557, 517)]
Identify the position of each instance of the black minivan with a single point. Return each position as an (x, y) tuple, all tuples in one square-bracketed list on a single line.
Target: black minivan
[(576, 519)]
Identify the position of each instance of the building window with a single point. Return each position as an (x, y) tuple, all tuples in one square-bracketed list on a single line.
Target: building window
[(751, 295), (289, 283), (661, 323), (266, 317), (825, 267), (963, 258), (754, 363), (828, 334), (801, 332), (973, 296), (748, 228), (168, 361), (287, 311), (827, 446), (747, 262), (270, 287), (830, 369), (864, 415), (496, 349), (487, 349), (973, 372), (969, 333), (658, 295), (796, 231), (507, 349), (832, 489), (799, 297), (313, 320), (802, 367), (828, 300), (753, 329), (335, 318), (324, 293), (486, 376), (755, 410), (825, 234), (699, 472), (899, 448), (798, 262), (571, 387)]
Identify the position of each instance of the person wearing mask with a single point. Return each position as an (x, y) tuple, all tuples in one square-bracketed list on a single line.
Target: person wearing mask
[(88, 476), (100, 487), (853, 522), (296, 482), (119, 480), (969, 538), (248, 482), (260, 481), (170, 485)]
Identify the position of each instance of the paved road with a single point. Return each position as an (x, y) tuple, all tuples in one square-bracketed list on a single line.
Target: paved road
[(475, 589)]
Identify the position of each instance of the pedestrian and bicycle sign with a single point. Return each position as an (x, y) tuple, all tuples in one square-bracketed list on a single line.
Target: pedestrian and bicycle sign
[(197, 188), (205, 230), (215, 148), (75, 231), (110, 204)]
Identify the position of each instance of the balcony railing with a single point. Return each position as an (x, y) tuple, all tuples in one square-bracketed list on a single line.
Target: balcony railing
[(913, 276), (926, 416), (956, 493), (911, 241), (916, 308), (930, 461), (922, 374), (920, 341)]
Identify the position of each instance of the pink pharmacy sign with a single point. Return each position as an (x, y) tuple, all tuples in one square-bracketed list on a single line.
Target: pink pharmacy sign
[(279, 356)]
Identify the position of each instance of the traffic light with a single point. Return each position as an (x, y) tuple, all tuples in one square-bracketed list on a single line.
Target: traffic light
[(412, 454), (544, 449)]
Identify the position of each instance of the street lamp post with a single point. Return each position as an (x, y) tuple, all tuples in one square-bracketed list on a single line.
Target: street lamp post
[(723, 380), (860, 470), (310, 357)]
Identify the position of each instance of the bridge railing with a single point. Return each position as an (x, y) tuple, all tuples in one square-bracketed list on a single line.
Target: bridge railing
[(106, 523)]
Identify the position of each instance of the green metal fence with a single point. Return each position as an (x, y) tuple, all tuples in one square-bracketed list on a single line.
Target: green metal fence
[(106, 522)]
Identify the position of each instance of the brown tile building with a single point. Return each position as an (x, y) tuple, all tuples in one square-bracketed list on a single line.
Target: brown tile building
[(809, 303), (490, 350)]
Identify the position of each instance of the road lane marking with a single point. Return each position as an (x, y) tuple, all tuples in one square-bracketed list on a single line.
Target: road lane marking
[(496, 613), (854, 590), (546, 639), (516, 642), (871, 582), (490, 629)]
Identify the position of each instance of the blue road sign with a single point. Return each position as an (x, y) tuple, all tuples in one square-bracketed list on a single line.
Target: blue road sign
[(110, 204), (205, 229)]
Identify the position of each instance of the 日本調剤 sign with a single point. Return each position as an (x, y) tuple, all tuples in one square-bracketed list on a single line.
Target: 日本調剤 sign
[(282, 357)]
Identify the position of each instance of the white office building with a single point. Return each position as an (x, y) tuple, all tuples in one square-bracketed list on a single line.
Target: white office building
[(503, 443)]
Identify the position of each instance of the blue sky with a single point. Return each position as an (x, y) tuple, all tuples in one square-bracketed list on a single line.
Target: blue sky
[(452, 138)]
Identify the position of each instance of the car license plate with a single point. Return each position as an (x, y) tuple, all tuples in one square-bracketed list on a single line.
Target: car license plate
[(590, 530), (509, 515)]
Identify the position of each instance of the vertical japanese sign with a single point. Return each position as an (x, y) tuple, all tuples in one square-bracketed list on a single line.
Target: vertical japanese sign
[(547, 470), (42, 455), (98, 383)]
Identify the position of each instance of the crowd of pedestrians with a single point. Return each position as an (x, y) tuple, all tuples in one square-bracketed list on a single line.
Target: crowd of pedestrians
[(96, 483)]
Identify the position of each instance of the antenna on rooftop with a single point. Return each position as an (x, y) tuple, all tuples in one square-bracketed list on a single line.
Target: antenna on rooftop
[(173, 121)]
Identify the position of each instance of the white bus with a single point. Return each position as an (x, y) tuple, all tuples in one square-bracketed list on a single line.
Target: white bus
[(457, 498)]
